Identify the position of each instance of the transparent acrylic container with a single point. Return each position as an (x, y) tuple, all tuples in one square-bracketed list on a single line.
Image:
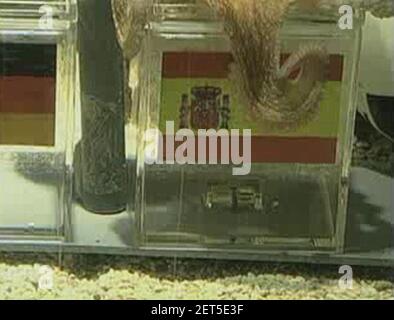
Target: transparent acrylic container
[(37, 48), (295, 195)]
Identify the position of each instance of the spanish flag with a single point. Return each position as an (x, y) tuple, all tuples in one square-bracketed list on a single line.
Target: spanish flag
[(312, 143)]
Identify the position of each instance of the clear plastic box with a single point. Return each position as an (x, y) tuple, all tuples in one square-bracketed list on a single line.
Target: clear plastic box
[(295, 196), (37, 47)]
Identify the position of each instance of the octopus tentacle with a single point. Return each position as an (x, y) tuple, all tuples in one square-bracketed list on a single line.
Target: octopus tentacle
[(303, 94), (253, 28), (130, 17)]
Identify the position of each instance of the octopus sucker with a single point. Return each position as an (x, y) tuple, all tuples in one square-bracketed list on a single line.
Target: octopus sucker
[(303, 94)]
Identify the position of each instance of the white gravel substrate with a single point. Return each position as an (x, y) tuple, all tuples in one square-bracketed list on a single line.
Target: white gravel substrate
[(106, 277)]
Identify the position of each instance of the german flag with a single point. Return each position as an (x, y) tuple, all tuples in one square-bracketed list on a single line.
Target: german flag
[(314, 142), (27, 94)]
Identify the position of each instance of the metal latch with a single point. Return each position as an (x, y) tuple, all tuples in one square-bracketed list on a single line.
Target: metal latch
[(240, 196), (233, 197)]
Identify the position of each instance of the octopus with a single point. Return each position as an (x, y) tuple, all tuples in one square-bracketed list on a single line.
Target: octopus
[(263, 82)]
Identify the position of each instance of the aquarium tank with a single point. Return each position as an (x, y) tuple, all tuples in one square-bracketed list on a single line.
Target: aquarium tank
[(242, 129)]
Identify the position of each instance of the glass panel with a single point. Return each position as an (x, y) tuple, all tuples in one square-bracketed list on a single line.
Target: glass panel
[(370, 227)]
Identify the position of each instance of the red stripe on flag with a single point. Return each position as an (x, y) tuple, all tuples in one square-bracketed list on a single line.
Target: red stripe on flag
[(27, 94), (196, 64), (294, 150), (217, 65), (307, 150)]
